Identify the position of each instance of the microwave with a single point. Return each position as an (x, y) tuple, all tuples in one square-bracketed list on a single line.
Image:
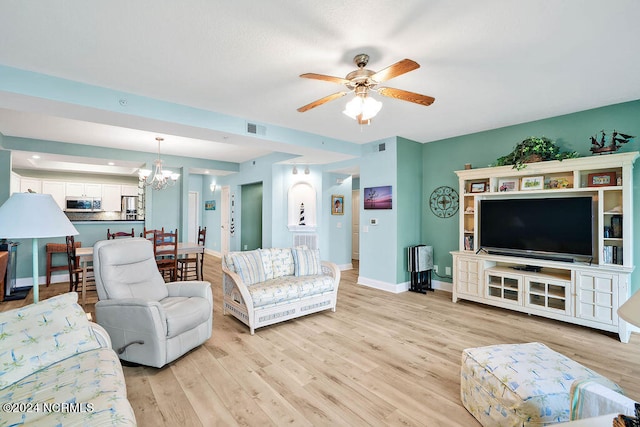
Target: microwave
[(83, 204)]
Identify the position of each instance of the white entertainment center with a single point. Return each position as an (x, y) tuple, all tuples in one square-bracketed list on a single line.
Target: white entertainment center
[(584, 293)]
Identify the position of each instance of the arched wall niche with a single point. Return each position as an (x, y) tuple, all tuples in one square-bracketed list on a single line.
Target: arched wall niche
[(302, 207)]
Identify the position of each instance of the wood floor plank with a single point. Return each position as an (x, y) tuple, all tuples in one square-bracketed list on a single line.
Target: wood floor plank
[(381, 359)]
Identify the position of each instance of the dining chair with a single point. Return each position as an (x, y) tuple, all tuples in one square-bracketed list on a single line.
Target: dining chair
[(150, 234), (188, 266), (75, 269), (117, 234), (165, 247)]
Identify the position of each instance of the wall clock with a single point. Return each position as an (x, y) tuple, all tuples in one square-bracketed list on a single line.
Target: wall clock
[(444, 202)]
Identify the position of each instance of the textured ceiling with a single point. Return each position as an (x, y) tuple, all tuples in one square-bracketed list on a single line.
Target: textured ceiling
[(488, 64)]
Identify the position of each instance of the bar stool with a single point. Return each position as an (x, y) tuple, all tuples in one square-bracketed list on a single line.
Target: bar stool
[(56, 248)]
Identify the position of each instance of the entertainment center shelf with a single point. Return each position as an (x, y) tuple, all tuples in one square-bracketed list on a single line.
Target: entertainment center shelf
[(586, 292)]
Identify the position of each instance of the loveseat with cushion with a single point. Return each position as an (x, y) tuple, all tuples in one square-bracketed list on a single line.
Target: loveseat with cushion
[(58, 369), (267, 286)]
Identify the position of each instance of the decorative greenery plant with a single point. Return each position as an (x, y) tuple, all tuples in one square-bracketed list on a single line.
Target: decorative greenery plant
[(534, 149)]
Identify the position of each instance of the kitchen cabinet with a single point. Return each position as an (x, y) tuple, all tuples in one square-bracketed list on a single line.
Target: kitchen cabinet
[(129, 190), (15, 183), (57, 191), (32, 184), (79, 189), (111, 197)]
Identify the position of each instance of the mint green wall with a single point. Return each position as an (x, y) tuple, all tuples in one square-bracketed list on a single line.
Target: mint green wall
[(251, 216), (571, 131), (378, 246), (408, 198)]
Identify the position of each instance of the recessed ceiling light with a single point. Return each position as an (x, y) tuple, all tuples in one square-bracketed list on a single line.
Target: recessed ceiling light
[(206, 172), (111, 163), (35, 156)]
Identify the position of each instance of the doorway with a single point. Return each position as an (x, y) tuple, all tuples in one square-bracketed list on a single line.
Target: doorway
[(224, 220), (251, 216), (192, 217), (355, 224)]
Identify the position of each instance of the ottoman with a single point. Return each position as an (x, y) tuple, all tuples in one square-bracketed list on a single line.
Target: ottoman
[(520, 384)]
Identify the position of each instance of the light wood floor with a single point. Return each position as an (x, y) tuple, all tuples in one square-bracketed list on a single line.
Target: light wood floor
[(380, 359)]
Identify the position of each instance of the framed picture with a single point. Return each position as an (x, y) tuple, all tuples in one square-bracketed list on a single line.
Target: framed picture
[(478, 187), (601, 179), (210, 205), (532, 183), (507, 185), (378, 197), (337, 205)]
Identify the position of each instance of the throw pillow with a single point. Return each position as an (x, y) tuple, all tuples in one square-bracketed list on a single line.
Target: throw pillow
[(307, 262), (267, 264), (41, 334), (249, 267), (282, 262)]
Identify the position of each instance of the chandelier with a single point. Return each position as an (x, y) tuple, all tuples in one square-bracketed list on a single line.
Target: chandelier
[(362, 107), (160, 179)]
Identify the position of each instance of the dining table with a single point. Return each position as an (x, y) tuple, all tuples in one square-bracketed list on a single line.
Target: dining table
[(85, 257)]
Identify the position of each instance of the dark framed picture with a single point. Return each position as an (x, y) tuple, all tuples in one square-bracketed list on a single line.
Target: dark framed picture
[(601, 179), (478, 187), (616, 226), (337, 204), (378, 197)]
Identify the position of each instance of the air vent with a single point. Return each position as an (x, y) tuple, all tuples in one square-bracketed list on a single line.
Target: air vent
[(382, 147), (255, 129), (309, 240)]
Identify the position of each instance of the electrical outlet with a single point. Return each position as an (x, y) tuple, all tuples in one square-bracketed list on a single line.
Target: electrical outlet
[(245, 247), (447, 271), (435, 268)]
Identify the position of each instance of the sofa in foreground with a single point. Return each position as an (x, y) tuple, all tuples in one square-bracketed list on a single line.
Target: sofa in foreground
[(267, 286), (58, 369)]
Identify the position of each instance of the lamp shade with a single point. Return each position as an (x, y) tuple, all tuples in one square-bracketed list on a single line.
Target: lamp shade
[(630, 310), (29, 215)]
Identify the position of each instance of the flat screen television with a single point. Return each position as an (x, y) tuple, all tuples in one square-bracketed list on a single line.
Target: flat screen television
[(550, 228)]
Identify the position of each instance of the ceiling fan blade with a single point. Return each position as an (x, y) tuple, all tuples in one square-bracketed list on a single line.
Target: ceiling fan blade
[(331, 79), (321, 101), (395, 70), (406, 95)]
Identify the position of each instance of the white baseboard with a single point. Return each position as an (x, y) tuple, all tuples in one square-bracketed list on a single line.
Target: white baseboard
[(397, 288), (343, 267), (212, 252), (383, 286), (55, 278)]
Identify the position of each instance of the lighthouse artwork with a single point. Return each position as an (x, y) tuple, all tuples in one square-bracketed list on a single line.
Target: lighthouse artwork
[(301, 220)]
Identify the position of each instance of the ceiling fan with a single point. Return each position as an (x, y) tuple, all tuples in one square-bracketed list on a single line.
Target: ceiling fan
[(361, 81)]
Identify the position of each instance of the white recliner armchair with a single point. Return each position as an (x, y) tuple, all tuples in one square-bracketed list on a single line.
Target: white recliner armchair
[(150, 322)]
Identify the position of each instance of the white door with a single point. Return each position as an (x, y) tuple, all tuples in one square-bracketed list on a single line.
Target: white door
[(224, 220), (355, 224), (192, 218)]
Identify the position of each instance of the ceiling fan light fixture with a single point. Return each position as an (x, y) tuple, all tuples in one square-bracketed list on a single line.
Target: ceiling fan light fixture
[(362, 108), (370, 107)]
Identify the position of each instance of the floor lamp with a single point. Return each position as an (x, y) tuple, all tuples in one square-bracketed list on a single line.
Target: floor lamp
[(33, 216), (630, 310)]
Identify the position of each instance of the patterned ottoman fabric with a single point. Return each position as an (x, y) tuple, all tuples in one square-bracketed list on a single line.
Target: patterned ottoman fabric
[(520, 384)]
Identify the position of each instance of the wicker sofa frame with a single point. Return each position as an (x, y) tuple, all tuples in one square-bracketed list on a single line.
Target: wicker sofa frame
[(238, 301)]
